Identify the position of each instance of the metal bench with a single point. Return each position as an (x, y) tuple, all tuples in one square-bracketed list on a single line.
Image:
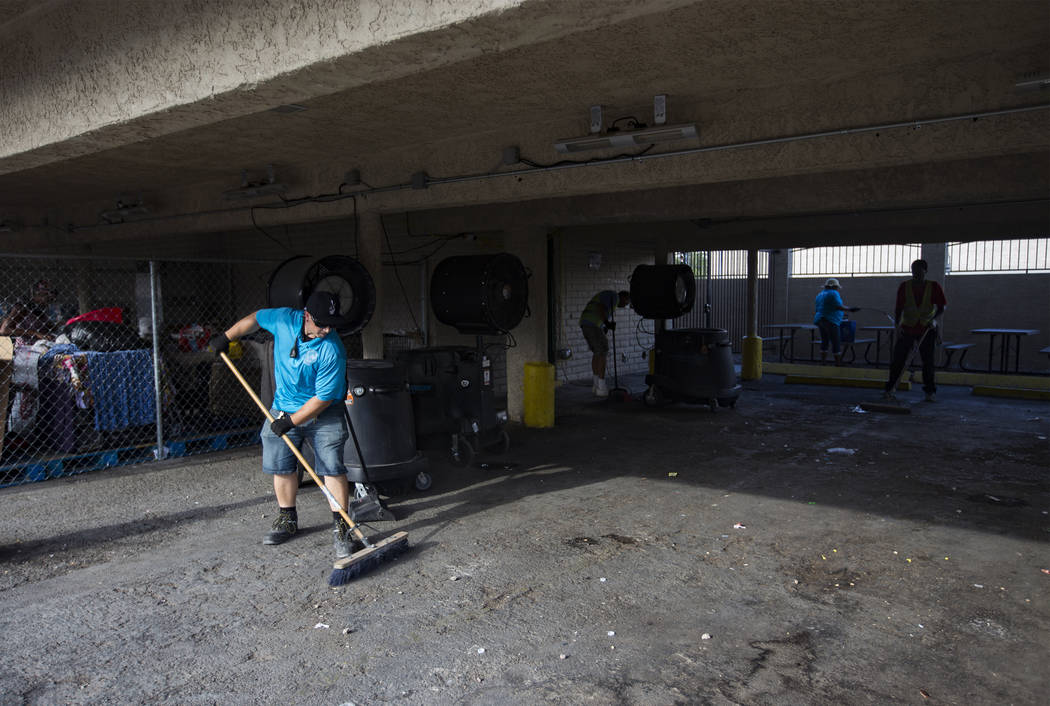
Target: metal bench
[(951, 349), (848, 347)]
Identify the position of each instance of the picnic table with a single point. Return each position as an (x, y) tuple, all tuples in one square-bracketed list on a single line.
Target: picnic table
[(888, 329), (787, 340), (1007, 335)]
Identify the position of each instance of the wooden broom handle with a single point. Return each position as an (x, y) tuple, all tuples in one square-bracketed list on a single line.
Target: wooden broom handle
[(298, 454)]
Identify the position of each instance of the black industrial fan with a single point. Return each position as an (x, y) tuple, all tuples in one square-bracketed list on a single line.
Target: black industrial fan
[(688, 364), (295, 279), (480, 294), (662, 291), (452, 386)]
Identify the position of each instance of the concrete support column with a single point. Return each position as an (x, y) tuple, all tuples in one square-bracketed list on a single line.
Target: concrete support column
[(530, 246), (936, 256), (662, 255), (751, 368), (779, 272), (370, 254)]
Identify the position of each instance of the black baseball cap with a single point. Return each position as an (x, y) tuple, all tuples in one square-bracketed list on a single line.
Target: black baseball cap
[(324, 308)]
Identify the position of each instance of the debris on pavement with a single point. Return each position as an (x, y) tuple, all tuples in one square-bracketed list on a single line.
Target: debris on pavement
[(705, 636), (858, 410), (611, 633), (321, 626), (739, 525), (841, 450)]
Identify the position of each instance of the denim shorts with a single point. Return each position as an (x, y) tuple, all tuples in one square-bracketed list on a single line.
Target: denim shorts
[(596, 340), (326, 433)]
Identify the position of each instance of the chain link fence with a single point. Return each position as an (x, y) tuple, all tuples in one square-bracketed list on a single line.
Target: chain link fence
[(84, 384)]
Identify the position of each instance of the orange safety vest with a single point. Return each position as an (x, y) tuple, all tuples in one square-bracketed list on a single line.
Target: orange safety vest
[(918, 314)]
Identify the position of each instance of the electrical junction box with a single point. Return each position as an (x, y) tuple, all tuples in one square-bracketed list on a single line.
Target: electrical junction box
[(659, 109), (596, 119)]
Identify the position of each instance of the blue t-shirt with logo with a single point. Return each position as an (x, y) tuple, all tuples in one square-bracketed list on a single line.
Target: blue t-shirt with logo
[(827, 307), (318, 371)]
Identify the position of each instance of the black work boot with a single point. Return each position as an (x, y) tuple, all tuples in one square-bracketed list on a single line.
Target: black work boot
[(343, 539), (284, 527)]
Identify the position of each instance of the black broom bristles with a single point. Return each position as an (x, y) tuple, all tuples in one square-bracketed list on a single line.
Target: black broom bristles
[(372, 559)]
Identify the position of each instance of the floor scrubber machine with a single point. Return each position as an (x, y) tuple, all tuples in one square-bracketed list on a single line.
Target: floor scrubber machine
[(452, 386), (692, 365), (380, 454)]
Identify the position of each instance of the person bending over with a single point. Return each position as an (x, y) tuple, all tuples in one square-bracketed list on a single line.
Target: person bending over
[(595, 321)]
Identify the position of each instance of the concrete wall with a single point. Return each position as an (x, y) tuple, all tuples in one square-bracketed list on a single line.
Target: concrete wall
[(576, 284)]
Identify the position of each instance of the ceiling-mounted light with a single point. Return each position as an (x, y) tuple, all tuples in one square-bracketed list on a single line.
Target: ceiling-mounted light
[(251, 189), (627, 138), (1032, 82), (125, 209)]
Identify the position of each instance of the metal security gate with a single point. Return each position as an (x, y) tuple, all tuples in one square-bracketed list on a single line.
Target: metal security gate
[(721, 292)]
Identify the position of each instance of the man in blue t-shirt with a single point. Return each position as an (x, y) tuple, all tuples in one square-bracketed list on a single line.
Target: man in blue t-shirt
[(310, 373), (828, 317)]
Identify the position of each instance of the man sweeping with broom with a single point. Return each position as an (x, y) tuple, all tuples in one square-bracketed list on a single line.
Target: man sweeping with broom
[(920, 305), (309, 379), (310, 374)]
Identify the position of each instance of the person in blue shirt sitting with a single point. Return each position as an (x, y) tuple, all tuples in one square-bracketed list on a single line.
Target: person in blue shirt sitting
[(310, 373), (828, 317)]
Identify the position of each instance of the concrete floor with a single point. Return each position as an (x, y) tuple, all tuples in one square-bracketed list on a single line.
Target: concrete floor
[(629, 556)]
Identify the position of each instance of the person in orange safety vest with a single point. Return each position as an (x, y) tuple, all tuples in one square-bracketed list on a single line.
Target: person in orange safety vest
[(920, 305)]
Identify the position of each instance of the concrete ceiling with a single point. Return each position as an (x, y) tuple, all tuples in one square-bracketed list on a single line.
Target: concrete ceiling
[(740, 70)]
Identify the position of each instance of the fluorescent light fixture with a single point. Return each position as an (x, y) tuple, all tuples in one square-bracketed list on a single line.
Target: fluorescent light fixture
[(124, 211), (627, 138), (1032, 82), (251, 189)]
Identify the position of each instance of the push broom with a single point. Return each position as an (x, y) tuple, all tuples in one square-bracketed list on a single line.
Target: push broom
[(617, 394), (897, 408), (374, 552)]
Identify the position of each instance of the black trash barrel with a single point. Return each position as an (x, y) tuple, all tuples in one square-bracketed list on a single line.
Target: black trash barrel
[(480, 294), (380, 409), (662, 291), (696, 365)]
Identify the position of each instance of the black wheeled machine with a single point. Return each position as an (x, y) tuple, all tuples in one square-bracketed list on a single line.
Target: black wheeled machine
[(452, 386), (693, 365)]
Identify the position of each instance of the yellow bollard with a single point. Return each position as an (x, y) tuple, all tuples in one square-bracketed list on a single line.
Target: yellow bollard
[(751, 363), (539, 394)]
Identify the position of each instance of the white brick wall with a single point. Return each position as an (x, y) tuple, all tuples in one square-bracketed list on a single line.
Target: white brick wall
[(576, 284)]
